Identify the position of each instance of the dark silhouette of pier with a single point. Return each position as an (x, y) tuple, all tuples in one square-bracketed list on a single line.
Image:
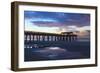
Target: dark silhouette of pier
[(40, 36)]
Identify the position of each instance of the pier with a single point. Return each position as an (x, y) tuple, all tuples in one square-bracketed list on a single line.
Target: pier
[(40, 36)]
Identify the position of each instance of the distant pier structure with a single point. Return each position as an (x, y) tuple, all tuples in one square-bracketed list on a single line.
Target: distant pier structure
[(41, 36)]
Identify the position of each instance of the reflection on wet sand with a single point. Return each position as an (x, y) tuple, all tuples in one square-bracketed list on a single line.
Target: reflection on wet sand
[(56, 52)]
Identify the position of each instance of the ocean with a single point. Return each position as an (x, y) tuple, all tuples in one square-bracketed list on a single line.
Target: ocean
[(56, 50)]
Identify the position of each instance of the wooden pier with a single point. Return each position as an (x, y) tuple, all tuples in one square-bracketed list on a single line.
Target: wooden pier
[(40, 36)]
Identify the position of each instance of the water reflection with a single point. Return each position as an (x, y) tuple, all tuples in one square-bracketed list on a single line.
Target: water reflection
[(52, 50), (45, 51), (55, 53)]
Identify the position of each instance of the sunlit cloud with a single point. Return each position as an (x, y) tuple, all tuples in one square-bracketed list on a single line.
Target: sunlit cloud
[(32, 27), (84, 28)]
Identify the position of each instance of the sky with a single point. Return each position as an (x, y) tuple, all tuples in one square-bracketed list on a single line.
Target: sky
[(57, 22)]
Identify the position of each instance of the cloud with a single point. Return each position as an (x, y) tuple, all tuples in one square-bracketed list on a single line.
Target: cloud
[(84, 28), (53, 19), (32, 27), (43, 20)]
